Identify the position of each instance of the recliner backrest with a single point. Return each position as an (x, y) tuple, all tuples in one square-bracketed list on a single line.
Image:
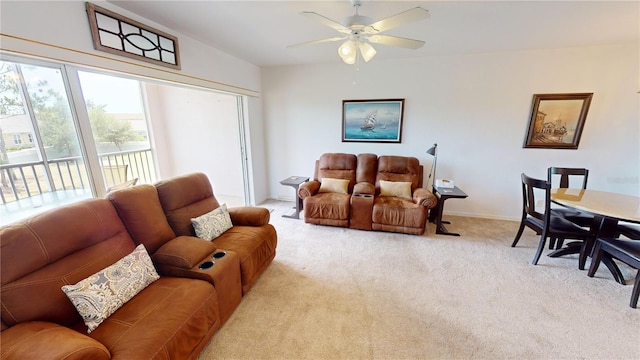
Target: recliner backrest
[(399, 168), (186, 197), (337, 166), (140, 210), (60, 247)]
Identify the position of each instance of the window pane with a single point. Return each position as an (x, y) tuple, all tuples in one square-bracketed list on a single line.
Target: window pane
[(37, 176), (119, 128)]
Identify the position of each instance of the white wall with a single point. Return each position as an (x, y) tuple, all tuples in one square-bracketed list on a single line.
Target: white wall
[(476, 107), (197, 131), (59, 31)]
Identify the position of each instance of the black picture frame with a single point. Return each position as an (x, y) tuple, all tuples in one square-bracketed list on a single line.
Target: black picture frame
[(378, 120)]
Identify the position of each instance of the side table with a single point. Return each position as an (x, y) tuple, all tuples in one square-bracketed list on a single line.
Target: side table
[(436, 216), (295, 181)]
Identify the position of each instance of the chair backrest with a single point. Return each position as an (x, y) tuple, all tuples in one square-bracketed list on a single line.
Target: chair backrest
[(115, 174), (566, 174), (124, 185), (529, 186)]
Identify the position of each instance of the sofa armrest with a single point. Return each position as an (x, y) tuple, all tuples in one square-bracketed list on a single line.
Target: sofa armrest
[(364, 188), (183, 252), (308, 188), (249, 216), (45, 340), (425, 198)]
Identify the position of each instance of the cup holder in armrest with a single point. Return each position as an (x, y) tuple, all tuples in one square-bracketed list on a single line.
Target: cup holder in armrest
[(206, 265), (363, 195), (219, 254)]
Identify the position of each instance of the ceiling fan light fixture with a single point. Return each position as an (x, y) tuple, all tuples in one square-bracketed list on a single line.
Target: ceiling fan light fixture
[(361, 31), (367, 51)]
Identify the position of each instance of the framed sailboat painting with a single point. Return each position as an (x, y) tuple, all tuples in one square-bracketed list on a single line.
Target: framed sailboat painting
[(372, 120)]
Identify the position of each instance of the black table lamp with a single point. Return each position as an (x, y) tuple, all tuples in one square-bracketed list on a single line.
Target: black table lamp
[(433, 151)]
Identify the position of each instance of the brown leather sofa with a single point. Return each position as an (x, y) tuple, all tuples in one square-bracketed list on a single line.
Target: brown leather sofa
[(366, 203), (172, 318)]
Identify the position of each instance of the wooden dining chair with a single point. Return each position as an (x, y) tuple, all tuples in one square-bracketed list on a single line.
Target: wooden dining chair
[(545, 223), (627, 251), (562, 178), (629, 231), (566, 177)]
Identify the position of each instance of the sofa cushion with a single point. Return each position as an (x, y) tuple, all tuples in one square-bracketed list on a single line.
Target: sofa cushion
[(330, 185), (210, 225), (400, 189), (101, 294)]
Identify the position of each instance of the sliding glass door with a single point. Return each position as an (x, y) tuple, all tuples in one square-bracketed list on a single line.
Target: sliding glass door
[(68, 135), (71, 133)]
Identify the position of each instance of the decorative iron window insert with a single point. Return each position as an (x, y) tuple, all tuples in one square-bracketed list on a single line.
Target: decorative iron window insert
[(119, 35)]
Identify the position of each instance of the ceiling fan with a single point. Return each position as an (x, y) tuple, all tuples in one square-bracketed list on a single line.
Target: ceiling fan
[(359, 31)]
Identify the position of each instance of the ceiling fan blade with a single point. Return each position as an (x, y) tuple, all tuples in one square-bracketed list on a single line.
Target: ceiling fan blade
[(396, 41), (393, 21), (337, 38), (326, 21)]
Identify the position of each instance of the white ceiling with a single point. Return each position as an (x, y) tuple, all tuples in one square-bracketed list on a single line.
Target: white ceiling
[(260, 31)]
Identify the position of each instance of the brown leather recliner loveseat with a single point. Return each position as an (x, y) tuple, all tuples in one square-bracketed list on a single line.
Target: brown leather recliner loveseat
[(367, 192), (200, 284)]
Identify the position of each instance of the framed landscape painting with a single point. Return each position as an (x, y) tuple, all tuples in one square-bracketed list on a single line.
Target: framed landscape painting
[(557, 120), (372, 120)]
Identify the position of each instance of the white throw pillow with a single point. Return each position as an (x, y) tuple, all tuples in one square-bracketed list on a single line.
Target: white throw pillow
[(340, 186), (101, 294), (210, 225), (395, 188)]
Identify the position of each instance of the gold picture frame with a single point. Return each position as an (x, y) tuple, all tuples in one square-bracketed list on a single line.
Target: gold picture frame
[(557, 120)]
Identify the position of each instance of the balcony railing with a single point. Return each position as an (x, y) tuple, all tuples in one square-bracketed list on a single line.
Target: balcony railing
[(25, 180)]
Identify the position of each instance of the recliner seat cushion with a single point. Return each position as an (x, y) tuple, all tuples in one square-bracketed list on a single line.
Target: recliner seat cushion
[(256, 247), (171, 318), (398, 212), (331, 206)]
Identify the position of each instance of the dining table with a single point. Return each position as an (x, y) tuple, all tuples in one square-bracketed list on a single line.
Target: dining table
[(608, 208)]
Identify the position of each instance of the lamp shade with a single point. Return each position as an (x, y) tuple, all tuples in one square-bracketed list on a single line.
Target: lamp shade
[(347, 52), (367, 51), (433, 151)]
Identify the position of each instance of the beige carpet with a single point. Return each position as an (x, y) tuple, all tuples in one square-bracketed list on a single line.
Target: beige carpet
[(335, 293)]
